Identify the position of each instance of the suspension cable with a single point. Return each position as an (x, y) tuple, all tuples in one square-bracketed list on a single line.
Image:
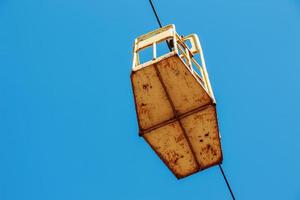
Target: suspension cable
[(227, 183), (158, 21), (155, 13), (220, 167)]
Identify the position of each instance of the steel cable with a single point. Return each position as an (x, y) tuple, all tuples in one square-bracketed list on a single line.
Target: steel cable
[(220, 167)]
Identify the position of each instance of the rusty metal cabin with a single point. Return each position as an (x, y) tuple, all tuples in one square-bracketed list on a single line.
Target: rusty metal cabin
[(175, 104)]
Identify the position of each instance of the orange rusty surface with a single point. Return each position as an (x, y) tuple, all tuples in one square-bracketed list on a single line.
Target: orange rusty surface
[(170, 144), (203, 133), (176, 116), (152, 104)]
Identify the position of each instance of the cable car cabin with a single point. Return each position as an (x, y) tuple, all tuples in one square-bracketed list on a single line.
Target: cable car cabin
[(175, 104)]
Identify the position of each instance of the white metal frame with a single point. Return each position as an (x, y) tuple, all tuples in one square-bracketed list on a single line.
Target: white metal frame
[(180, 47)]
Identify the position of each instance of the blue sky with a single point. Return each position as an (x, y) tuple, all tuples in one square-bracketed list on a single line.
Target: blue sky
[(68, 128)]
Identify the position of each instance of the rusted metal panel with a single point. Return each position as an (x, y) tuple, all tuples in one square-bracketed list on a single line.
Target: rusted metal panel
[(184, 88), (202, 130), (175, 106), (152, 103), (170, 144), (178, 116)]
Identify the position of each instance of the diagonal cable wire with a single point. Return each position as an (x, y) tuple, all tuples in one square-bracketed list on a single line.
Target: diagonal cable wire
[(158, 21), (220, 167), (227, 183), (155, 13)]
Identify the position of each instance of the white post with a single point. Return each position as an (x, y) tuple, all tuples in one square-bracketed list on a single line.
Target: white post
[(135, 56), (205, 74), (188, 58), (154, 50)]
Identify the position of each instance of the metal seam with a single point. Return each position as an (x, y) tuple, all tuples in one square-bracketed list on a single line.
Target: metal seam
[(181, 116), (176, 116)]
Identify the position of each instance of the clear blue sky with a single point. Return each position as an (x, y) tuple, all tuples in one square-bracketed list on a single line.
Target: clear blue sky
[(68, 128)]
